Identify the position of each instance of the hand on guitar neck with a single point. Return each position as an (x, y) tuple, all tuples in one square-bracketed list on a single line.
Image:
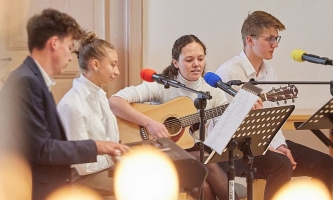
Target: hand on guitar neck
[(258, 105)]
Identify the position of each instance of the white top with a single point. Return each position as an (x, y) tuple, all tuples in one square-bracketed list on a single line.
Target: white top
[(156, 94), (240, 68), (85, 114), (47, 79)]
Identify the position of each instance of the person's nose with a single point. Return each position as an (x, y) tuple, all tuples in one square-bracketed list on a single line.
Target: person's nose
[(116, 72), (195, 63)]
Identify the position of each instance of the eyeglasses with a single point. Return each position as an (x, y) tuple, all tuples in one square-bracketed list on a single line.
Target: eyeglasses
[(271, 39)]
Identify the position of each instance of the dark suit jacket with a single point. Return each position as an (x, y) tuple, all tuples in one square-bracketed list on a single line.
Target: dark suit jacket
[(28, 114)]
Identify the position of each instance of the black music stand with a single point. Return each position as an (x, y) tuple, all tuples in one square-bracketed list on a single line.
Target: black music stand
[(322, 119), (257, 129)]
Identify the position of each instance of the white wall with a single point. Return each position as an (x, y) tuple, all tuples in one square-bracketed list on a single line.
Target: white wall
[(309, 26)]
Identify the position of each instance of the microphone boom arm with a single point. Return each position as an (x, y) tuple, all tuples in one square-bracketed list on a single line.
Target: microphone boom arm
[(168, 82)]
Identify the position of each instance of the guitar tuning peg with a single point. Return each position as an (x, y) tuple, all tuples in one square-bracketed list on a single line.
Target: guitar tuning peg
[(293, 100), (285, 101)]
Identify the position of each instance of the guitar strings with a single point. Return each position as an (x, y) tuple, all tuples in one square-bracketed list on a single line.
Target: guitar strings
[(210, 113)]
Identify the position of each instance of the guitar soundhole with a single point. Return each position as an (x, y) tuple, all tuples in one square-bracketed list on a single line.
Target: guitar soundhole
[(174, 127)]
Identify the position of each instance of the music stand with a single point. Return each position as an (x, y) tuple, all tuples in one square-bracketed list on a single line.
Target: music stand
[(258, 128), (322, 119)]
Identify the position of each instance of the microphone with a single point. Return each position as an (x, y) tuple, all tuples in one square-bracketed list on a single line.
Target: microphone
[(150, 75), (300, 56), (215, 81)]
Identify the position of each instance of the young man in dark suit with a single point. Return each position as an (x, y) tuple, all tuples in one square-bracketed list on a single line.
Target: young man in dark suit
[(28, 111)]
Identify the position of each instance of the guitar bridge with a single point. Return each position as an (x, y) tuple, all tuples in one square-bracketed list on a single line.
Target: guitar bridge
[(143, 133)]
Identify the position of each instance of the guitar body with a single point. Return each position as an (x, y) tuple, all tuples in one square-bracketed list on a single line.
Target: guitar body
[(167, 113)]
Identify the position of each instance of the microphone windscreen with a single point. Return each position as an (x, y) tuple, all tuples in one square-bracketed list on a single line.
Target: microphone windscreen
[(212, 78), (147, 75), (297, 55)]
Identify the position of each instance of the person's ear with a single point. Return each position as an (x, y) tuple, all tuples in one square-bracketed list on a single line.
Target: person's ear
[(53, 42), (95, 65), (175, 63), (249, 40)]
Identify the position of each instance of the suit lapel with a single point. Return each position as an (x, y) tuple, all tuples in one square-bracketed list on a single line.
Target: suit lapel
[(48, 95)]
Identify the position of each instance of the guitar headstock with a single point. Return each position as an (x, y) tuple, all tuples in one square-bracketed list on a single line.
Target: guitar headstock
[(279, 94)]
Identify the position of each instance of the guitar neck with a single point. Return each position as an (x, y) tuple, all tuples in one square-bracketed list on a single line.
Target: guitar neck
[(275, 95), (209, 114)]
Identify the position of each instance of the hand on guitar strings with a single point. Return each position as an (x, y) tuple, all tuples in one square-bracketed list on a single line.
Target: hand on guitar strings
[(157, 129)]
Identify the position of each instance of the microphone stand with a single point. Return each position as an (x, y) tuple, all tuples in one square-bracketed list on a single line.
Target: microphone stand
[(200, 104), (252, 81)]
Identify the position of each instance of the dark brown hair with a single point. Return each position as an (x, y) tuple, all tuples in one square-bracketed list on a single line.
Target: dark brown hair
[(48, 24), (171, 71)]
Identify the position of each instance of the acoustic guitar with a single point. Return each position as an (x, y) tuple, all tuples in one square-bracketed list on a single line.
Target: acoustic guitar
[(179, 114)]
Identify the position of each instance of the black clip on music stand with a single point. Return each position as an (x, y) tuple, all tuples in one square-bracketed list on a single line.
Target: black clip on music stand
[(322, 119), (257, 129)]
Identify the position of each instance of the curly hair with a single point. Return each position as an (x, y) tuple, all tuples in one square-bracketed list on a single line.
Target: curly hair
[(51, 23)]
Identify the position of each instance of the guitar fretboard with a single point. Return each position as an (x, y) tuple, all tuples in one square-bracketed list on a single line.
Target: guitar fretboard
[(209, 114)]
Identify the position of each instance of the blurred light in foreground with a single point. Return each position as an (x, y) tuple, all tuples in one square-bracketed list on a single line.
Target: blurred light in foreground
[(15, 177), (303, 189), (146, 173), (74, 193)]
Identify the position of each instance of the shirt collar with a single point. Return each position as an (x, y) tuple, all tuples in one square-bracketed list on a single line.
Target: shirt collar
[(248, 67), (47, 79), (90, 88)]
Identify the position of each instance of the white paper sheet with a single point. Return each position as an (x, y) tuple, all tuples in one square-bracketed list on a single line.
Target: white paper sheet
[(231, 119)]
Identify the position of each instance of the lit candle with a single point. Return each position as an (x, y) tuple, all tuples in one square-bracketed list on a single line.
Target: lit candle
[(146, 173)]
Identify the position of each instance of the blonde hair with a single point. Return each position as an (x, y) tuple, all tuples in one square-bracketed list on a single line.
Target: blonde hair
[(257, 22), (91, 47)]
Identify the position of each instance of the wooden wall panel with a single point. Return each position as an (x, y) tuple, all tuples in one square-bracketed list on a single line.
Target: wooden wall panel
[(90, 14)]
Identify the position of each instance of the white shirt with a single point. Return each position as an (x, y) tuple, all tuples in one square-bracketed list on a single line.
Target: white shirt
[(47, 79), (240, 68), (85, 114)]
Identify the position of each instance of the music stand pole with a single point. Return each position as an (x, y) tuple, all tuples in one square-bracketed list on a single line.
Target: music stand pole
[(231, 169), (200, 104), (248, 159)]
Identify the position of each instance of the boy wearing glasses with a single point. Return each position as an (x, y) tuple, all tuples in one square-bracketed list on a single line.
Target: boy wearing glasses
[(260, 35)]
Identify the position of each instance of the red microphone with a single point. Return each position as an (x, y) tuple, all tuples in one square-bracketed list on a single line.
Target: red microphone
[(150, 75), (147, 75)]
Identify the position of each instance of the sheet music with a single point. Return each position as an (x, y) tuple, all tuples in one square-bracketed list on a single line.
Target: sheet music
[(231, 119)]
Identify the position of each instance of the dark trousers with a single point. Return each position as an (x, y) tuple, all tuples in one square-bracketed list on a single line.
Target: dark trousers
[(277, 170)]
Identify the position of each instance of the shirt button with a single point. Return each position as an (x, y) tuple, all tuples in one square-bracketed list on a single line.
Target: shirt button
[(67, 180)]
